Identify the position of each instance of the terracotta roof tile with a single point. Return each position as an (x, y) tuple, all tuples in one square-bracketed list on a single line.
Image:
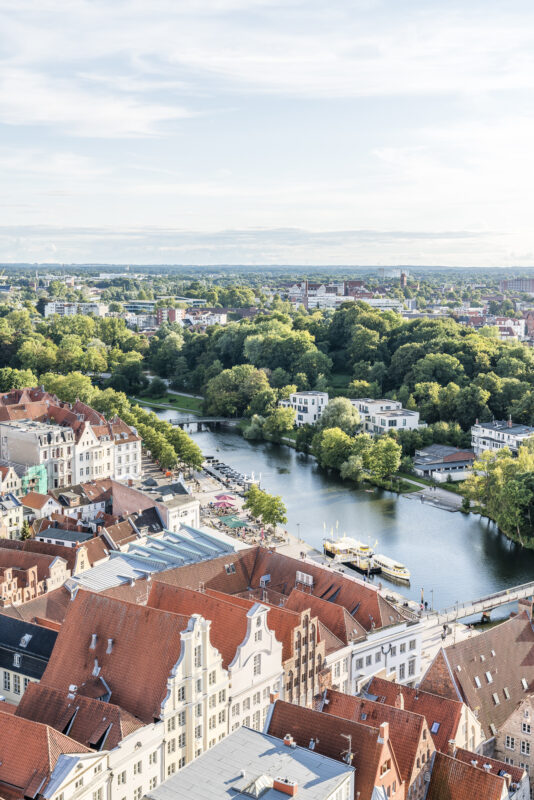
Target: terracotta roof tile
[(516, 773), (446, 713), (408, 731), (455, 780), (85, 719), (500, 658), (329, 731), (336, 618), (35, 500), (145, 647), (50, 606), (230, 621), (30, 752), (33, 546)]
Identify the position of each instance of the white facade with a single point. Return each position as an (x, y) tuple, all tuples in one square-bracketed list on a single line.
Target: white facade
[(499, 434), (308, 406), (255, 673), (180, 510), (393, 653), (64, 309), (381, 416), (11, 515), (68, 461)]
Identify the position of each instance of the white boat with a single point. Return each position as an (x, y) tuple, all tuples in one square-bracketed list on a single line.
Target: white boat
[(351, 552), (391, 569)]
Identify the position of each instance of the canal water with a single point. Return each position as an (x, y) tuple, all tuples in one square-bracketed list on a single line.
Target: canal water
[(456, 557)]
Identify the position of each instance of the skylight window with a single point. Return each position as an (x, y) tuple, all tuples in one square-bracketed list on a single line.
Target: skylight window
[(524, 683), (435, 727), (488, 677), (496, 698), (477, 682)]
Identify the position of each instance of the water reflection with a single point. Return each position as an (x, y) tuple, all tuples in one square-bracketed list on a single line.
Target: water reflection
[(458, 556)]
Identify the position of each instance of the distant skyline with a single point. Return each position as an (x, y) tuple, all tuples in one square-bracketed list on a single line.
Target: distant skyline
[(267, 132)]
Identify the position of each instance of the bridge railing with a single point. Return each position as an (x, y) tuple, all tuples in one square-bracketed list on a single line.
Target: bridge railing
[(506, 595)]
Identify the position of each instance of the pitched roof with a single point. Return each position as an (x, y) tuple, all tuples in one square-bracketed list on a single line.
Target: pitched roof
[(406, 729), (22, 559), (33, 643), (361, 600), (35, 500), (91, 722), (30, 752), (280, 620), (443, 716), (33, 546), (500, 659), (230, 628), (496, 767), (329, 731), (456, 780), (145, 646), (336, 618), (49, 606)]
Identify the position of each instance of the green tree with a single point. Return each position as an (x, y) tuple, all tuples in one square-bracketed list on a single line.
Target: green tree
[(340, 413), (384, 457), (279, 423), (269, 508), (25, 532), (332, 447)]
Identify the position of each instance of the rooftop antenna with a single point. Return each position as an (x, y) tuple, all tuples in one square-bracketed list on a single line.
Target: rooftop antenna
[(347, 755)]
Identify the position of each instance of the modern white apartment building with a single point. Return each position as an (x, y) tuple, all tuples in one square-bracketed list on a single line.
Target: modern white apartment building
[(64, 309), (381, 416), (308, 406), (498, 434)]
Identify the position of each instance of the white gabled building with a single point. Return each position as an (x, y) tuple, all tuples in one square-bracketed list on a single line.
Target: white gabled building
[(308, 406), (381, 416)]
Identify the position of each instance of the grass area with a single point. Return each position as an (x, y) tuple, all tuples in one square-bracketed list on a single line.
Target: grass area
[(456, 488), (422, 481), (179, 402)]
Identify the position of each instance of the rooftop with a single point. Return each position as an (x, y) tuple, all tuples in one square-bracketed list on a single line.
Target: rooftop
[(245, 764), (457, 780), (504, 426)]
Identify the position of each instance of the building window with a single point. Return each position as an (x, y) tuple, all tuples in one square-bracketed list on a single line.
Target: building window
[(222, 716), (181, 693), (198, 732), (16, 684), (121, 778), (7, 681), (510, 743), (403, 647), (256, 720), (411, 667), (213, 701), (99, 794), (359, 663), (257, 636), (402, 672), (153, 783), (525, 748), (171, 746), (257, 664), (181, 718), (171, 724), (412, 644), (138, 768), (525, 727), (153, 757), (222, 696), (212, 678), (138, 793), (198, 656), (368, 661), (378, 657)]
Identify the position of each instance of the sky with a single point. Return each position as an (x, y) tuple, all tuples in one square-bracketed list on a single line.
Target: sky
[(351, 132)]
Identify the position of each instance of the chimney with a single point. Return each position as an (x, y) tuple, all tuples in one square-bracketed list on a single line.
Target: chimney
[(273, 697), (96, 669), (286, 786), (487, 767), (510, 423), (92, 646), (109, 647), (399, 700), (384, 732), (508, 778), (288, 740), (451, 747)]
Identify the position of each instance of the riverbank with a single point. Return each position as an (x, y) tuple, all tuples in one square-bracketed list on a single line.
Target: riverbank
[(172, 401)]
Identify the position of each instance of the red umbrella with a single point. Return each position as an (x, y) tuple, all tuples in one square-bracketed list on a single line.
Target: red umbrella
[(227, 497), (222, 504)]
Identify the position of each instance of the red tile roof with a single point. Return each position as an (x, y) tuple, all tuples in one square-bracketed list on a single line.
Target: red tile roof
[(229, 627), (33, 546), (455, 780), (50, 606), (23, 559), (85, 719), (447, 713), (329, 732), (408, 731), (145, 647), (336, 618), (30, 752), (505, 653), (35, 500), (516, 773)]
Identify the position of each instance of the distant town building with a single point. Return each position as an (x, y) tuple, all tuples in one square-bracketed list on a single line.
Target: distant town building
[(11, 516), (381, 416), (64, 309), (442, 462), (308, 406), (517, 285), (498, 434)]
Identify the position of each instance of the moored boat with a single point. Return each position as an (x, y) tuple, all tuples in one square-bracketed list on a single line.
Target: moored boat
[(391, 569), (351, 552)]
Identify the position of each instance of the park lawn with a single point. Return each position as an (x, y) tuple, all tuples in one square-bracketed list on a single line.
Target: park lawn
[(180, 402)]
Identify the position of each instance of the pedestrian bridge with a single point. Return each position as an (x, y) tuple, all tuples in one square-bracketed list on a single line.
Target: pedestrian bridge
[(196, 420), (483, 604)]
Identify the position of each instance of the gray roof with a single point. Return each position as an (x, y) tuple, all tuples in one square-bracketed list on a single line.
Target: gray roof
[(218, 773), (61, 535), (151, 554), (502, 425), (32, 642)]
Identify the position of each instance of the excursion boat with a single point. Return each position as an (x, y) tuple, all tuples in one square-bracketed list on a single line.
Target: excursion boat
[(351, 552), (392, 569)]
